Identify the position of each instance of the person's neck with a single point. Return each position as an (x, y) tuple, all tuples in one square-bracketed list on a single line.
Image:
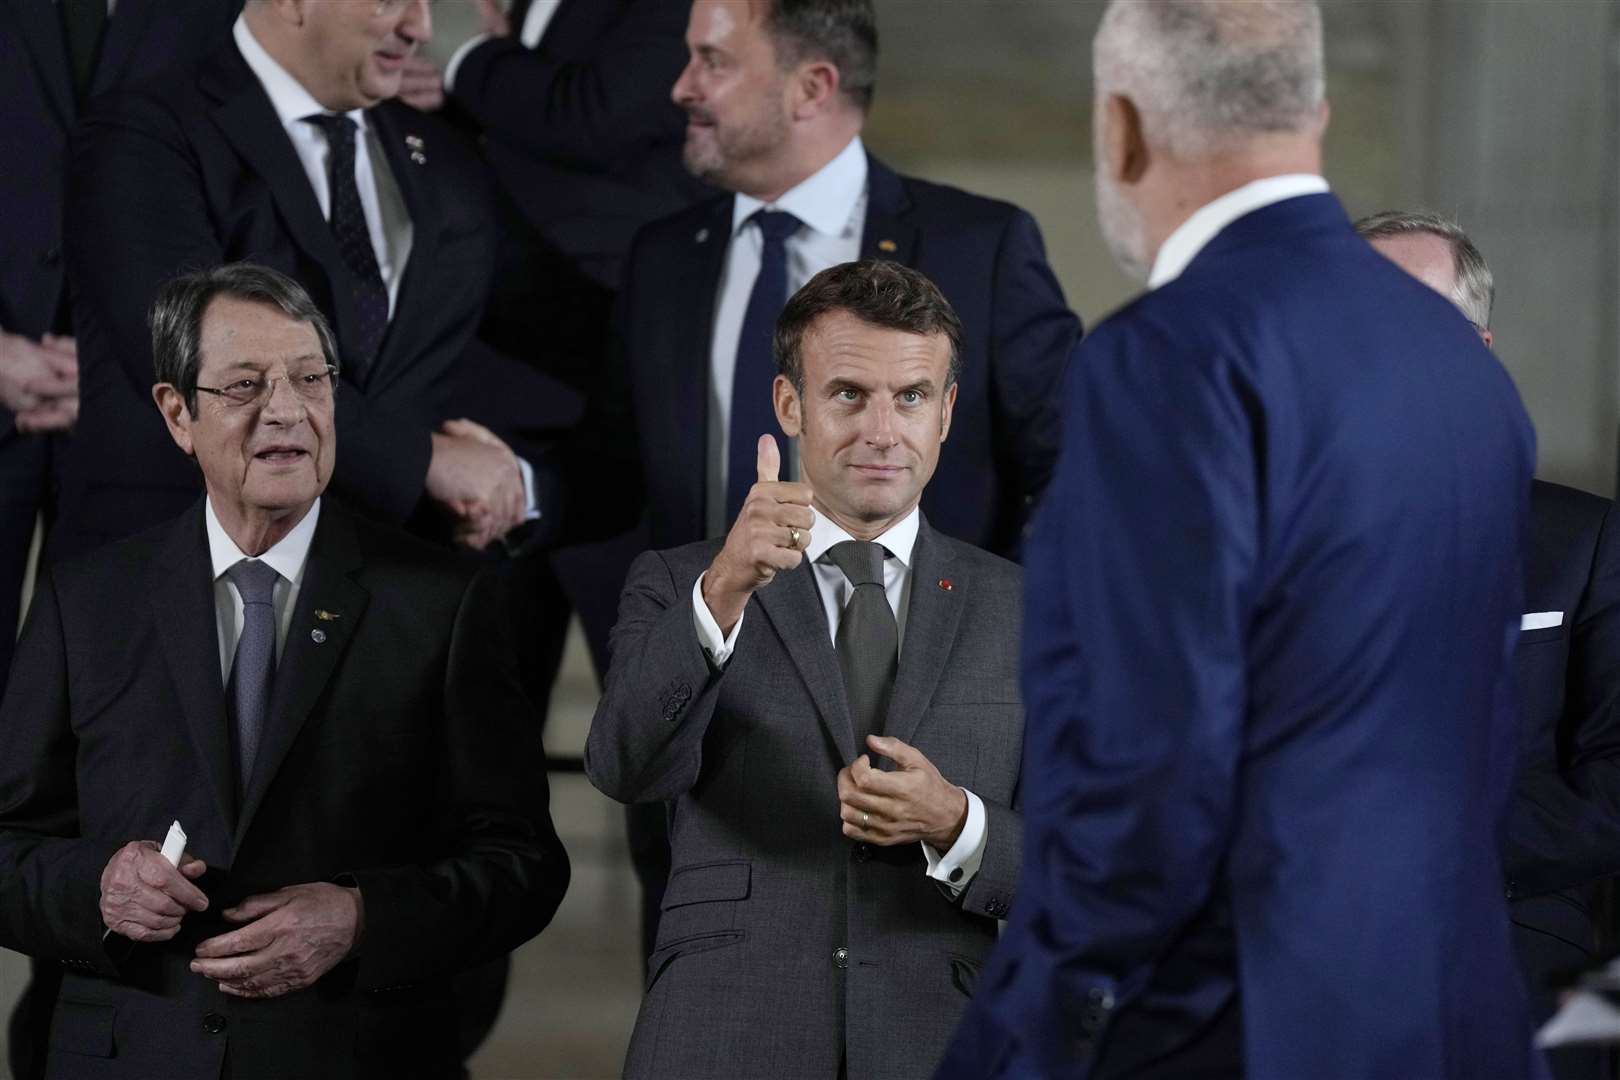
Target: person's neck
[(1189, 186), (857, 528), (812, 154), (255, 531)]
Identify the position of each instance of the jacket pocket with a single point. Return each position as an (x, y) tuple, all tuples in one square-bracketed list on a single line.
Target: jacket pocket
[(702, 900), (83, 1027)]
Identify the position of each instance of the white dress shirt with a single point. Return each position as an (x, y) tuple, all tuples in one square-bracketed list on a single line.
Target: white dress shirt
[(533, 29), (286, 558), (387, 219), (832, 205), (1182, 246), (835, 590)]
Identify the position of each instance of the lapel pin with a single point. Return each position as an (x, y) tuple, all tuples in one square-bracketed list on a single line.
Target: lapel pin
[(415, 142), (327, 616), (703, 236), (418, 157), (945, 583), (317, 636), (888, 246)]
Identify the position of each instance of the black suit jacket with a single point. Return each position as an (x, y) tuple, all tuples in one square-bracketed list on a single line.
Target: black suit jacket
[(1563, 833), (400, 757), (987, 258), (196, 170)]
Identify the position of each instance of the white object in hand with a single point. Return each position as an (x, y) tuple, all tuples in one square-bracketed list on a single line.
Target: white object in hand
[(174, 845)]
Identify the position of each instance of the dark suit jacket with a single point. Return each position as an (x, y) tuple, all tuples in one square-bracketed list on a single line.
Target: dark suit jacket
[(196, 170), (37, 108), (1563, 832), (1273, 596), (986, 257), (400, 757), (783, 948)]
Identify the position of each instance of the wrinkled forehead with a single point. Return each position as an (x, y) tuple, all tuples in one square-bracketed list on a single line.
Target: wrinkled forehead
[(238, 333), (839, 347)]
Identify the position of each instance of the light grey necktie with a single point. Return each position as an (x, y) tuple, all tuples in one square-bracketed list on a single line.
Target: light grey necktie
[(868, 640), (254, 669)]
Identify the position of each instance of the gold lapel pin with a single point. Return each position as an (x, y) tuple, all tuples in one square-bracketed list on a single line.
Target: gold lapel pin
[(888, 246), (327, 616)]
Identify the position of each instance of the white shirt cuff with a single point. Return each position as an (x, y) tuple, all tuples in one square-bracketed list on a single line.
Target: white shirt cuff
[(719, 646), (531, 502), (956, 867), (458, 56)]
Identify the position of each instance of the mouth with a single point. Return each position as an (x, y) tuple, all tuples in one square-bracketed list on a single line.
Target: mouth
[(281, 455), (390, 62), (879, 472)]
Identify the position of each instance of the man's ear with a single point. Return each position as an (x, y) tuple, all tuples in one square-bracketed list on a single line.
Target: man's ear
[(176, 414), (947, 406), (813, 89), (1124, 144), (789, 409)]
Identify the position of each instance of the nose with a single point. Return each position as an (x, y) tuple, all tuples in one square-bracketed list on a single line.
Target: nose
[(881, 430), (283, 406), (417, 25), (684, 91)]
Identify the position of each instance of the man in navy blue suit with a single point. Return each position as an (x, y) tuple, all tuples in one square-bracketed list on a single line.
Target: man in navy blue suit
[(1272, 597), (1563, 831), (776, 95)]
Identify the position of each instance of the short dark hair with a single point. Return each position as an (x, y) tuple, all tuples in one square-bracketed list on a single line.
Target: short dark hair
[(1475, 291), (876, 291), (176, 317), (842, 32)]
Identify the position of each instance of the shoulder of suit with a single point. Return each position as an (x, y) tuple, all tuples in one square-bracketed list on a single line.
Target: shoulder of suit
[(985, 566), (956, 205), (390, 552), (1567, 508), (683, 563)]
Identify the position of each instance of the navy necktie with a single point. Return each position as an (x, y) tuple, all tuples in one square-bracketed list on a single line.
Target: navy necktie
[(868, 638), (752, 412), (253, 671), (353, 237)]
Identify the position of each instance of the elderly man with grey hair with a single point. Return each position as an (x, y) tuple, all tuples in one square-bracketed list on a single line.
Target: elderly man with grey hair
[(1562, 838), (319, 705), (1271, 600)]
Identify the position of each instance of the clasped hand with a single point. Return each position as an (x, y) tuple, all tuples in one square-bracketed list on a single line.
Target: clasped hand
[(913, 803), (39, 381), (477, 478)]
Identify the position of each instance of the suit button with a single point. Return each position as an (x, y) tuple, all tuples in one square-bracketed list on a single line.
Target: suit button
[(841, 957), (51, 256), (214, 1023), (862, 852), (1512, 890)]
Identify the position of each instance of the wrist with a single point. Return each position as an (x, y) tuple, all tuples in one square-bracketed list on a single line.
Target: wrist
[(722, 599), (359, 917), (946, 839)]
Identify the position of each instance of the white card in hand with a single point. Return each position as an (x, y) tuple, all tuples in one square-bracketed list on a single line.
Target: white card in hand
[(174, 845)]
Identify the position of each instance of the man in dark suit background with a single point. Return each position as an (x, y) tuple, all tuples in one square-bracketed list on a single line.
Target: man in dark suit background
[(776, 95), (828, 909), (283, 144), (1563, 829), (1272, 597), (262, 668)]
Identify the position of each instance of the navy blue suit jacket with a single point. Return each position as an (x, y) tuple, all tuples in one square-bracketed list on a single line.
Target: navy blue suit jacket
[(1272, 597), (988, 260), (194, 170)]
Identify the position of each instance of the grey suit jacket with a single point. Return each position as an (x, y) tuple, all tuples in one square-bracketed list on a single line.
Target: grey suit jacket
[(783, 946)]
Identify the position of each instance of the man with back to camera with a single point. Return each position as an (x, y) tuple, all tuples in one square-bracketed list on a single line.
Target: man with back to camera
[(827, 697), (1273, 593), (324, 706), (1563, 827)]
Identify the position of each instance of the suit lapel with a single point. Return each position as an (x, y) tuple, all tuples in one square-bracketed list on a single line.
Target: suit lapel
[(687, 384), (307, 664), (392, 122), (887, 234), (40, 25), (118, 44), (932, 615), (182, 597), (794, 608)]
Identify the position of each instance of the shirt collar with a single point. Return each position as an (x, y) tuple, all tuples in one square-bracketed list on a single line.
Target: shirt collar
[(825, 200), (1183, 245), (286, 558), (287, 95), (900, 540)]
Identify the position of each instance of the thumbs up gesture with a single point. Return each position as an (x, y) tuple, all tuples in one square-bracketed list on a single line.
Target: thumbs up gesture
[(769, 535)]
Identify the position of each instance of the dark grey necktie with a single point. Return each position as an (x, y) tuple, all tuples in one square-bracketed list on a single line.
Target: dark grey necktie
[(353, 237), (868, 639), (254, 669)]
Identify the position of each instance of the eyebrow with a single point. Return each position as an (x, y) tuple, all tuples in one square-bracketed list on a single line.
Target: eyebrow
[(256, 366)]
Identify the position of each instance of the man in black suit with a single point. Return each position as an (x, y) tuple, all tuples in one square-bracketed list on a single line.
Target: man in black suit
[(1563, 830), (283, 145), (320, 702)]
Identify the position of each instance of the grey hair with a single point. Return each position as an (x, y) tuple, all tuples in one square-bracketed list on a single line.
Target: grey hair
[(1204, 72), (1475, 289), (176, 317), (842, 32)]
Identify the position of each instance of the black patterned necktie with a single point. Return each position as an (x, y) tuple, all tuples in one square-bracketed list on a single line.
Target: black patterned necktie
[(253, 671), (753, 411), (83, 22), (868, 639), (354, 241)]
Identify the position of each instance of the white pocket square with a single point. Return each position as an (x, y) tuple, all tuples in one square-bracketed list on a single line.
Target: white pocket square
[(1540, 620)]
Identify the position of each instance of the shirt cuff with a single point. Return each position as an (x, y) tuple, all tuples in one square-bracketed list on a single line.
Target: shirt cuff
[(719, 646), (457, 57), (531, 501), (956, 867)]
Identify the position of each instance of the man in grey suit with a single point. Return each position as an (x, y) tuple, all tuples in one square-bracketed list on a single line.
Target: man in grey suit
[(828, 909)]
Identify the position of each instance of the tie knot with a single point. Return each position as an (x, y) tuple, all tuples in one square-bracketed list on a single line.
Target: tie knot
[(775, 225), (255, 580), (860, 560), (339, 129)]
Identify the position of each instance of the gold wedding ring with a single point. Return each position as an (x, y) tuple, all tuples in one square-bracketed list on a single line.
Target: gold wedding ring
[(866, 819), (793, 535)]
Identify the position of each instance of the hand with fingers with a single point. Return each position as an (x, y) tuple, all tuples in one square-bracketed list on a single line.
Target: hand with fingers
[(39, 381), (421, 85), (912, 803), (144, 896), (291, 938), (477, 477), (769, 536)]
